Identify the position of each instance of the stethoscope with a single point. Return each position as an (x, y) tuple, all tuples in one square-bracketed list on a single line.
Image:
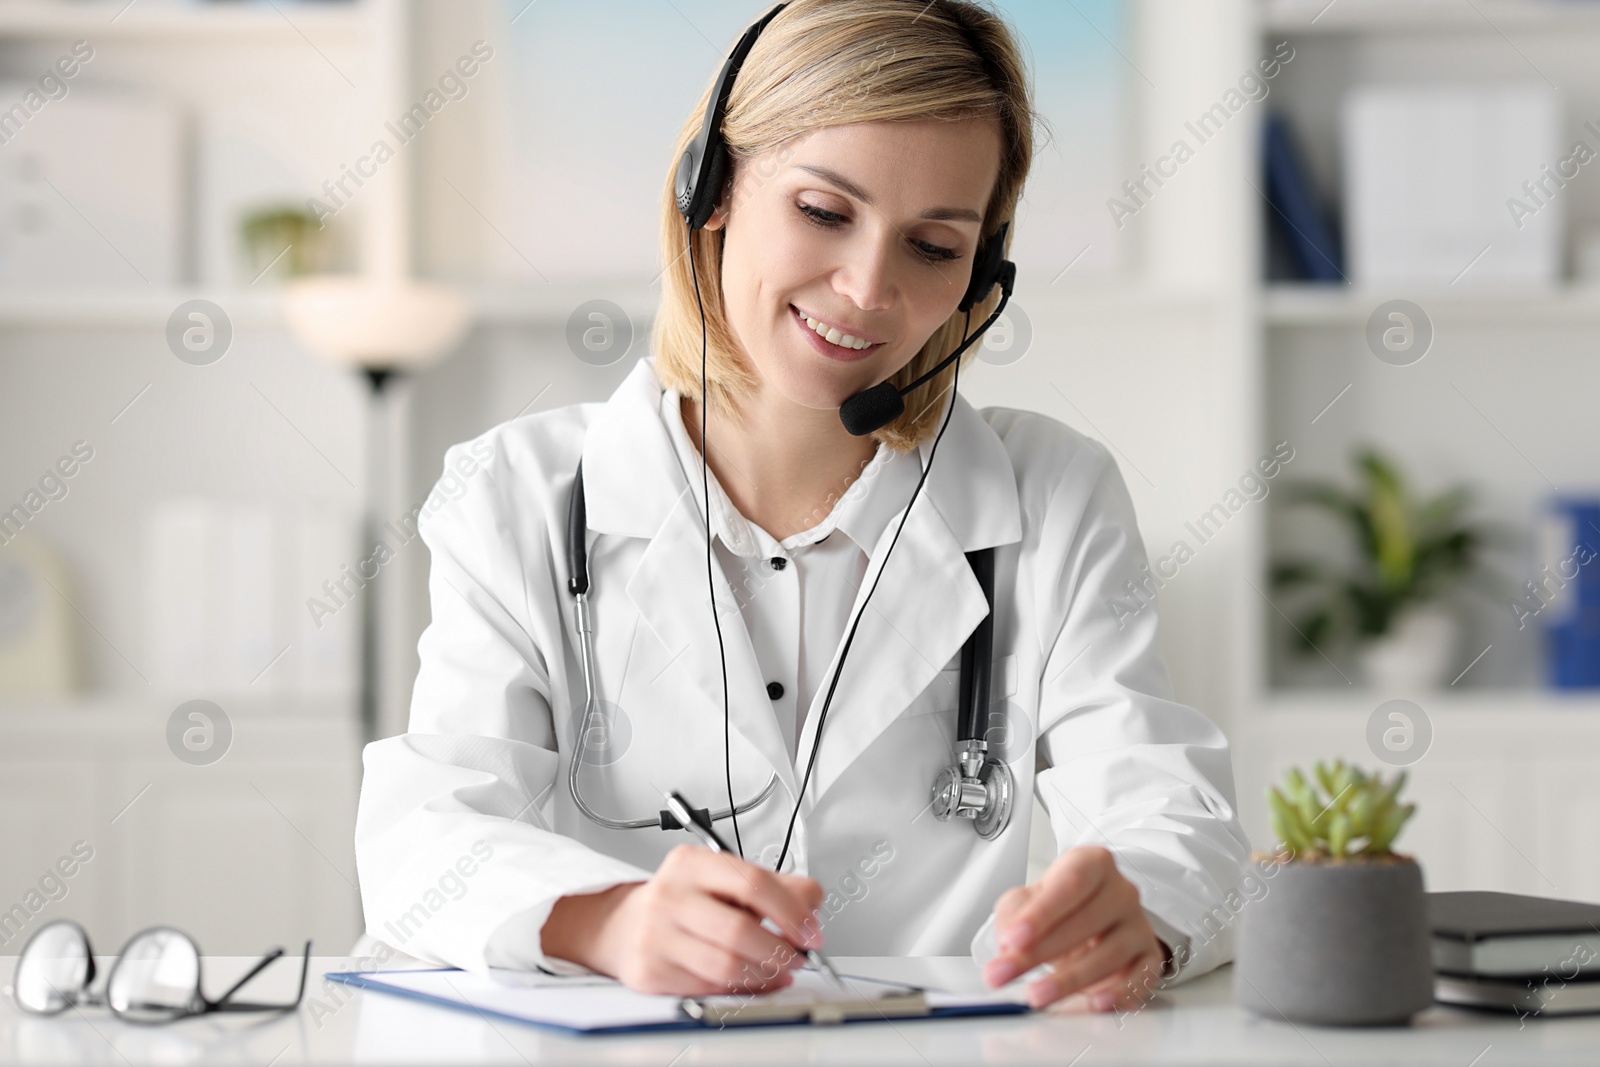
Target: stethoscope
[(976, 786)]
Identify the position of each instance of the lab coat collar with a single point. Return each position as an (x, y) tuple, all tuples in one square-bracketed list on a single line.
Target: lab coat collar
[(633, 481), (635, 486)]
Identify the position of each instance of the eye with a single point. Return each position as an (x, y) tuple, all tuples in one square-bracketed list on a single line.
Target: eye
[(930, 253), (936, 253), (821, 216)]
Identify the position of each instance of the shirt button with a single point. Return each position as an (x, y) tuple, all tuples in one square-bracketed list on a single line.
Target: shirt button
[(778, 563), (775, 690)]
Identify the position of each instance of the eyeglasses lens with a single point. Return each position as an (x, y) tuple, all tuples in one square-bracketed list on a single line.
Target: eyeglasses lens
[(54, 969), (156, 978)]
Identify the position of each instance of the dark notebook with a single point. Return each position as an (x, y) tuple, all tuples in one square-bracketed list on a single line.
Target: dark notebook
[(1508, 935)]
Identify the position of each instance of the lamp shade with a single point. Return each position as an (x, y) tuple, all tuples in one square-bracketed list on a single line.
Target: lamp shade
[(374, 323)]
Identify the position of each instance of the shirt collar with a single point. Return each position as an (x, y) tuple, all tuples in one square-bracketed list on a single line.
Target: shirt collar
[(861, 512), (633, 480)]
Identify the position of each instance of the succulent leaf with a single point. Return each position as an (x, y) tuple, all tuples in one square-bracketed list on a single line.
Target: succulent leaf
[(1352, 813)]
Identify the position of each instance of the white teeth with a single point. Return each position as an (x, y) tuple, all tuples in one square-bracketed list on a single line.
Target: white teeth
[(832, 335)]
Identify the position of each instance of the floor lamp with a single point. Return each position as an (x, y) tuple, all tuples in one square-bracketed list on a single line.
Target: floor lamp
[(384, 328)]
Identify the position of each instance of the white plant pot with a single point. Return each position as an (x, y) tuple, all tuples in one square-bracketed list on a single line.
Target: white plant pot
[(1415, 654)]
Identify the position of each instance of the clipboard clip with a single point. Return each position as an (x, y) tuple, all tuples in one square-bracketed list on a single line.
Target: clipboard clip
[(724, 1011)]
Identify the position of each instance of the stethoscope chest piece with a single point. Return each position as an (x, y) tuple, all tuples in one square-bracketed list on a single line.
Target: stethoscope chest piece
[(975, 785), (985, 795)]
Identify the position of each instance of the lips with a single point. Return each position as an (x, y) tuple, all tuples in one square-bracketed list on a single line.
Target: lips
[(828, 348)]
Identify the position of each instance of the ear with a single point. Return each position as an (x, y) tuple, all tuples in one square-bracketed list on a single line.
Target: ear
[(718, 217)]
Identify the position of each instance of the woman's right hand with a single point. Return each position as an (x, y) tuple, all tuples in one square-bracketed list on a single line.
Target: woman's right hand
[(694, 929)]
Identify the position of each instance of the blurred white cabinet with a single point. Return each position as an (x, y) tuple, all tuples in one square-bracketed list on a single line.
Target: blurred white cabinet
[(1504, 793), (251, 851)]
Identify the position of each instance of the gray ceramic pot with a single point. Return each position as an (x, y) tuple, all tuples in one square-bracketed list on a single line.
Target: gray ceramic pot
[(1337, 944)]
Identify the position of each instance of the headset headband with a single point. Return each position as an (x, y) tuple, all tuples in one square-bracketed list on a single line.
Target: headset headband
[(703, 169)]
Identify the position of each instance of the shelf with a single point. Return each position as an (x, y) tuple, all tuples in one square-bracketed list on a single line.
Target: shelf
[(99, 20), (1484, 705), (1429, 16), (1333, 305), (135, 308), (328, 716)]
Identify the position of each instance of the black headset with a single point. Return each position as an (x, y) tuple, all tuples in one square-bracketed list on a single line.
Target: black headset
[(702, 172)]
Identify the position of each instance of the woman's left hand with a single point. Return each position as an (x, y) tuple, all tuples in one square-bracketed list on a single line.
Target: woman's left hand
[(1084, 919)]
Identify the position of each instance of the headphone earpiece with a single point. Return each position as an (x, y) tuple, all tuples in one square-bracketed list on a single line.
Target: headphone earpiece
[(703, 167), (986, 268)]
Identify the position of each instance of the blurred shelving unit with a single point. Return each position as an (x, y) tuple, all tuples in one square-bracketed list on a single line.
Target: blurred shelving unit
[(177, 22), (1425, 16), (1497, 402), (253, 849), (1291, 306)]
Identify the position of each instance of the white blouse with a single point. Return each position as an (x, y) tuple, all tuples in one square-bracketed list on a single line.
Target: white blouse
[(796, 594)]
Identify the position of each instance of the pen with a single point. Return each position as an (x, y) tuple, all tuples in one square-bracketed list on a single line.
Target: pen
[(681, 810)]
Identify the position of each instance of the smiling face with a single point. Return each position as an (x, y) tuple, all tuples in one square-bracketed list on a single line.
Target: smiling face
[(868, 230)]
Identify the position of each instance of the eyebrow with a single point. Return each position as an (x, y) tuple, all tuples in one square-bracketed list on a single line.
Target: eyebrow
[(938, 214)]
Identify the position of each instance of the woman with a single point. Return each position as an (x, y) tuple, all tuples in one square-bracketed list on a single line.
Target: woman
[(874, 145)]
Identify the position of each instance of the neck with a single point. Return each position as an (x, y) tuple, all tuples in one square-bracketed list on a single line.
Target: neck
[(784, 466)]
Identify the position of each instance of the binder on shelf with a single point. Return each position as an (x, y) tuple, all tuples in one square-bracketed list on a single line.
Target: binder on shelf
[(1292, 209), (1566, 593)]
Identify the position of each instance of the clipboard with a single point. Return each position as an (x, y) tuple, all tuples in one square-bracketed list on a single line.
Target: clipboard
[(593, 1005)]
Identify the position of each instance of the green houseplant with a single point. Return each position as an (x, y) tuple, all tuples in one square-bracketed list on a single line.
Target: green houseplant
[(1409, 554), (284, 241), (1352, 816), (1341, 936)]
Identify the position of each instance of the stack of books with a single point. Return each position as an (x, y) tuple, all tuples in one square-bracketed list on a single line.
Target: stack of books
[(1508, 952)]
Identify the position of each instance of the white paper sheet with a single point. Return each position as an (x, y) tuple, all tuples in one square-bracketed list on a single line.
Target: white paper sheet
[(590, 1003)]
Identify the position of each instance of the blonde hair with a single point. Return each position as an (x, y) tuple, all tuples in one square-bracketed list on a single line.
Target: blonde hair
[(823, 63)]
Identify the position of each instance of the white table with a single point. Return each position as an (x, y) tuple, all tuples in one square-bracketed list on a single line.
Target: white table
[(1194, 1023)]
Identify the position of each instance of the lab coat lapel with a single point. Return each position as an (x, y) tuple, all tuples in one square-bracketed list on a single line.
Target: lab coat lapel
[(669, 591), (926, 604), (928, 601), (635, 487)]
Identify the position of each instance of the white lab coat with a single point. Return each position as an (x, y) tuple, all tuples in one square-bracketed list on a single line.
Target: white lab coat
[(467, 835)]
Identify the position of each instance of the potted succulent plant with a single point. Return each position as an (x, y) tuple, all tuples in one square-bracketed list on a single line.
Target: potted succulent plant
[(1340, 937), (1411, 554)]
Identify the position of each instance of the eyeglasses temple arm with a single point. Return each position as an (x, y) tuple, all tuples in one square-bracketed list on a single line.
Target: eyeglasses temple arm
[(261, 965), (305, 966)]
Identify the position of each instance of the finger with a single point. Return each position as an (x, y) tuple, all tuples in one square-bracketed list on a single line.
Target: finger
[(1115, 900), (734, 928), (808, 891), (1069, 882), (1128, 989), (726, 971), (1010, 905), (663, 976), (758, 889), (1008, 966), (1120, 947)]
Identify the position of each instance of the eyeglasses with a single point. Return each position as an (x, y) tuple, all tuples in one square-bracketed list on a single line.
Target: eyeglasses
[(156, 978)]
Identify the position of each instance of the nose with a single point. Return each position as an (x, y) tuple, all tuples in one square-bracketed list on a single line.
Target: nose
[(866, 276)]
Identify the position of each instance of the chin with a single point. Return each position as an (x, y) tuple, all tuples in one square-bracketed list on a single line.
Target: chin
[(821, 386)]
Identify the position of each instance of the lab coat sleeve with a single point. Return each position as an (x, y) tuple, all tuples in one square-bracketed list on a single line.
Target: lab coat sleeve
[(1122, 764), (456, 861)]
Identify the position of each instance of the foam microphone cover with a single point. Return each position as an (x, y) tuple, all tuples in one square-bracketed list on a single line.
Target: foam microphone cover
[(872, 410)]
